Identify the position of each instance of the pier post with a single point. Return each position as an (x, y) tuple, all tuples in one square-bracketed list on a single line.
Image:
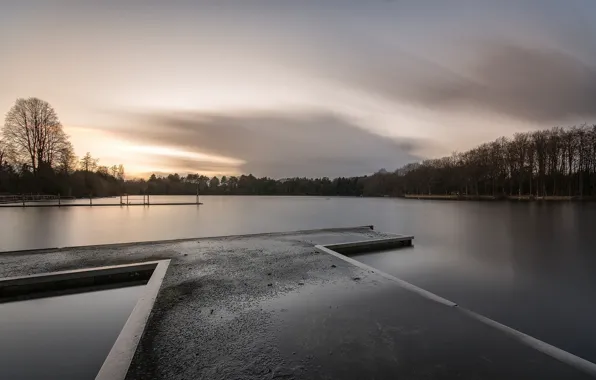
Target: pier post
[(197, 193), (23, 200), (58, 199), (120, 199), (148, 202), (127, 199), (90, 200)]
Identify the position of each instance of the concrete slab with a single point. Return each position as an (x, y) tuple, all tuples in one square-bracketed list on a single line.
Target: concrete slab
[(274, 307)]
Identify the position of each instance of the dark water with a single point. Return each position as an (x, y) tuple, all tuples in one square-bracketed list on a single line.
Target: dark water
[(531, 266), (64, 337)]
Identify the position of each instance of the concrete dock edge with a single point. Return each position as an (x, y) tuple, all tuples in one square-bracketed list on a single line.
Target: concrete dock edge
[(400, 282), (548, 349), (168, 241), (117, 363)]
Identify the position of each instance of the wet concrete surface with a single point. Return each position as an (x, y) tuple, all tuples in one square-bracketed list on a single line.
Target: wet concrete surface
[(274, 307)]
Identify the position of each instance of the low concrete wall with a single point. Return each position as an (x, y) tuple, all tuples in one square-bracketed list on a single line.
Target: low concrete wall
[(74, 281), (372, 245), (150, 273), (118, 361)]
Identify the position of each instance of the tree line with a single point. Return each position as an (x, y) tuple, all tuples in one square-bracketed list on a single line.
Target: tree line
[(36, 156), (175, 184), (553, 162)]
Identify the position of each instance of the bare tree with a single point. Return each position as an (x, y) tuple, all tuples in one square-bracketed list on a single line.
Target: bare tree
[(113, 170), (103, 170), (120, 173), (33, 132), (88, 163)]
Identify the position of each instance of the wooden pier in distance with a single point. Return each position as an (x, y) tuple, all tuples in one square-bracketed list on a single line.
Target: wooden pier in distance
[(25, 201), (7, 199)]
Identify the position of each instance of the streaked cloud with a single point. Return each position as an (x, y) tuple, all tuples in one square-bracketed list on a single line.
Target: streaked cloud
[(274, 144), (535, 84)]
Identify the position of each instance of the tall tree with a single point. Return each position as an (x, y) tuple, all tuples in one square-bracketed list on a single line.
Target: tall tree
[(88, 163), (113, 170), (33, 133), (214, 183), (120, 173)]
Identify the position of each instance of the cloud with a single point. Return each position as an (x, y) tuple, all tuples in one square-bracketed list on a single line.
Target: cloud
[(533, 84), (522, 80), (171, 165), (277, 144)]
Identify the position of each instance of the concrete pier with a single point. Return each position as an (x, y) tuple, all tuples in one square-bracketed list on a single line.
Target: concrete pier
[(279, 306)]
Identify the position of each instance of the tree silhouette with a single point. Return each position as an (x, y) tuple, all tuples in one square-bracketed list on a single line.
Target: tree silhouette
[(88, 163), (33, 132)]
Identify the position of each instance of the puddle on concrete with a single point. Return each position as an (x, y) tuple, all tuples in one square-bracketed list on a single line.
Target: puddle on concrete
[(63, 337)]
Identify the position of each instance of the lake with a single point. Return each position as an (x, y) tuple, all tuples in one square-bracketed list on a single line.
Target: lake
[(531, 266)]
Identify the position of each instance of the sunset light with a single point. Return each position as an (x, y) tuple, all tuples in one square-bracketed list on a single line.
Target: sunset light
[(172, 152)]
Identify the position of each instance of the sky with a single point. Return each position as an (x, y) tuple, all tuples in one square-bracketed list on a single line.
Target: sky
[(297, 88)]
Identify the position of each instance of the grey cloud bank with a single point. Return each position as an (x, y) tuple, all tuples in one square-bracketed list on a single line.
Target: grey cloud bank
[(276, 144)]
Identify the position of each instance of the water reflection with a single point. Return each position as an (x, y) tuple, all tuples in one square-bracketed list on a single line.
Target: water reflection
[(65, 337)]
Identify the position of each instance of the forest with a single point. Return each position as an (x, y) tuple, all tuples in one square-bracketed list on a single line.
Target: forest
[(553, 162), (36, 156)]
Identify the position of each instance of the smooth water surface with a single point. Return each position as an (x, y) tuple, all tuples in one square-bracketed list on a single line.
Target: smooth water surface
[(531, 266), (63, 337)]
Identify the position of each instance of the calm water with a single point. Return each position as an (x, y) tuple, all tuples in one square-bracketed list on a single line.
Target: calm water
[(530, 266), (64, 337)]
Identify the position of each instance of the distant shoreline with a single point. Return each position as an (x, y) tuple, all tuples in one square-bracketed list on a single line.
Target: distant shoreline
[(514, 198), (437, 197)]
